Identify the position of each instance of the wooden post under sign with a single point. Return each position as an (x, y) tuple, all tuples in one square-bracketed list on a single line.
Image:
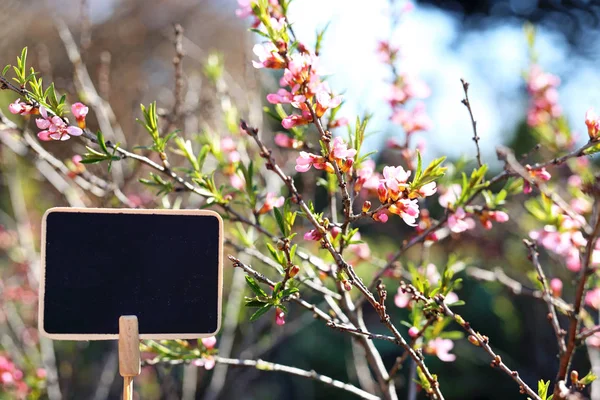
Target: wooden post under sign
[(129, 353)]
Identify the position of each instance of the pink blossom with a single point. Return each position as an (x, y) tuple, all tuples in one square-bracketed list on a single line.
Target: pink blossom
[(268, 56), (340, 150), (401, 299), (6, 377), (413, 121), (294, 120), (458, 221), (441, 348), (245, 9), (338, 123), (451, 298), (325, 101), (313, 234), (279, 317), (237, 181), (208, 362), (271, 201), (592, 298), (407, 209), (55, 128), (305, 161), (284, 97), (363, 173), (283, 140), (361, 250), (540, 174), (487, 217), (209, 342), (450, 196), (428, 189), (79, 111), (19, 107), (228, 144)]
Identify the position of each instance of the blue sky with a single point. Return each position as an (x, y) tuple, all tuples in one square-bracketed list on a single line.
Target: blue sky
[(434, 46)]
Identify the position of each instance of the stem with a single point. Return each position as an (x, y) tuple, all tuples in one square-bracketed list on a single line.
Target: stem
[(575, 317)]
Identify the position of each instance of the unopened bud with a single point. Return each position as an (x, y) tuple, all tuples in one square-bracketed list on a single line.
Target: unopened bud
[(474, 341), (366, 206), (574, 376), (413, 332), (294, 269), (346, 285)]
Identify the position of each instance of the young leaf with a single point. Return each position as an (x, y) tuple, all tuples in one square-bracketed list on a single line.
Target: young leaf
[(260, 312), (254, 286)]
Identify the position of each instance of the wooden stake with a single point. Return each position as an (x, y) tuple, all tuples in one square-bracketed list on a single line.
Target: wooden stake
[(129, 353)]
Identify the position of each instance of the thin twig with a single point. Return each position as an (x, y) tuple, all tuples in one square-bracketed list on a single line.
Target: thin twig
[(262, 365), (467, 104), (483, 342), (547, 296)]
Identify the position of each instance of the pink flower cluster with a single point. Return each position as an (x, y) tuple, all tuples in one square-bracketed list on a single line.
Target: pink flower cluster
[(55, 128), (566, 240), (271, 201), (19, 107), (544, 97), (11, 378), (394, 189), (207, 361), (405, 87), (340, 154), (540, 174), (460, 220)]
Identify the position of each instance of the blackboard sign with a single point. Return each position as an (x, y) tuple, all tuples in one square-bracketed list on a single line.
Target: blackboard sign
[(163, 266)]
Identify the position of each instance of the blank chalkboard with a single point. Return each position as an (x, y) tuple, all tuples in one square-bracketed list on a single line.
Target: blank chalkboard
[(163, 266)]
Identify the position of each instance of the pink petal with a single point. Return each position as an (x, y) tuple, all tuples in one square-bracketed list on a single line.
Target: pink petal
[(74, 131), (44, 136)]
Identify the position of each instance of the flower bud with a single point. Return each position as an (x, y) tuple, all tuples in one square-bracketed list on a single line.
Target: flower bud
[(382, 193), (574, 376), (346, 285), (279, 316), (294, 269), (366, 206), (556, 286), (474, 341), (413, 332)]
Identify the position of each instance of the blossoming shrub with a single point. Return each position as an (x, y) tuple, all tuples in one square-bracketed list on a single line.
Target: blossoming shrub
[(303, 255)]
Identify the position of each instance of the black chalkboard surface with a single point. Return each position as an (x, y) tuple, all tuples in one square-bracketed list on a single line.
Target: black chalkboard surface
[(163, 266)]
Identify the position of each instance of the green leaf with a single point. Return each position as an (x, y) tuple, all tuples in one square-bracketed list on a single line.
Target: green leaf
[(5, 70), (589, 378), (260, 312), (254, 286), (280, 221), (289, 292), (543, 389), (254, 302)]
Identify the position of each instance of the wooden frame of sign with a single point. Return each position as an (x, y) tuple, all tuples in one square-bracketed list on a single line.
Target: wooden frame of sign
[(106, 270)]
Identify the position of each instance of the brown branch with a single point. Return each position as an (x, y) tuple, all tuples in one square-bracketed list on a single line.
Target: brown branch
[(339, 260), (467, 104), (586, 333), (499, 177), (547, 297), (515, 287), (575, 317), (178, 65), (483, 342)]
